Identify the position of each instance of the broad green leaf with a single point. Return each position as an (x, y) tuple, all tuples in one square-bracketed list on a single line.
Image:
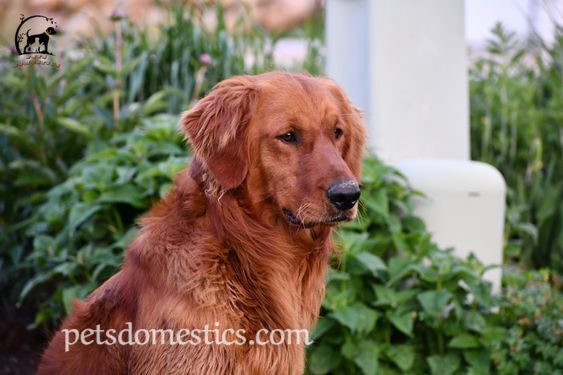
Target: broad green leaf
[(38, 279), (474, 321), (386, 296), (480, 360), (443, 364), (79, 213), (358, 317), (65, 269), (367, 360), (130, 194), (364, 353), (464, 341), (401, 355), (68, 295), (372, 262), (398, 268), (427, 273), (378, 202), (323, 325), (334, 274), (403, 322), (323, 359), (434, 302)]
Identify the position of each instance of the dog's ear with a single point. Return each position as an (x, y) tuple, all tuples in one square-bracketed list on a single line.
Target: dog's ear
[(355, 141), (216, 128)]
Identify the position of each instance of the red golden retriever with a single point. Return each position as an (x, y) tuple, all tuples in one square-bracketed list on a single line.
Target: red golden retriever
[(240, 243)]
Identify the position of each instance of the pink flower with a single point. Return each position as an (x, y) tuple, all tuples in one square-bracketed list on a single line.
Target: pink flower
[(205, 59), (117, 14)]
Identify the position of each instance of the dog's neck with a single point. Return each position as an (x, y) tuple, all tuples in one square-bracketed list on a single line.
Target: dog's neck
[(290, 261)]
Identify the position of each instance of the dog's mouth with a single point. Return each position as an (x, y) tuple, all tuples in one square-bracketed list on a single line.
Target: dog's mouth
[(333, 220)]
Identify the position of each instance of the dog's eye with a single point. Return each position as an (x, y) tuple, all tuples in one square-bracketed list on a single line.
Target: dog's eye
[(289, 138), (337, 133)]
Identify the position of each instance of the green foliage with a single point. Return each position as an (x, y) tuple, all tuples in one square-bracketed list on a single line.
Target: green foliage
[(396, 304), (531, 314), (73, 180), (81, 231), (49, 117), (516, 125)]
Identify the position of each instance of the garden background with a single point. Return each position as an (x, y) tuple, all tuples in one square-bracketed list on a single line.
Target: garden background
[(76, 171)]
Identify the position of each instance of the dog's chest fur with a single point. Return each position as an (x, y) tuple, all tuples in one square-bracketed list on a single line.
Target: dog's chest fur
[(212, 282)]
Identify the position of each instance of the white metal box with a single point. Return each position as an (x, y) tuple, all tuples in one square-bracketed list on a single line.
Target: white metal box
[(463, 207)]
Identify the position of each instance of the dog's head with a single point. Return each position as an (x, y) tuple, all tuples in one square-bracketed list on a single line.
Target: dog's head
[(291, 142), (51, 31)]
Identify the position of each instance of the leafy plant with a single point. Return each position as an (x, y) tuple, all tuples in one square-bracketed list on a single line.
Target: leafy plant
[(531, 314), (80, 232), (49, 117), (516, 117), (396, 303)]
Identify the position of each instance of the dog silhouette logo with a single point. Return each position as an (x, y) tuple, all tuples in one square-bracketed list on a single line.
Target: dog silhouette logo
[(35, 35)]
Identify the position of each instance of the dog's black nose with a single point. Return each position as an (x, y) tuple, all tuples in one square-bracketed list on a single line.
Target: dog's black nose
[(343, 194)]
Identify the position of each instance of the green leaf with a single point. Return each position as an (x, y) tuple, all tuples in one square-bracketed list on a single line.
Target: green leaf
[(323, 325), (372, 262), (79, 213), (130, 194), (69, 294), (427, 273), (65, 269), (38, 279), (367, 360), (75, 126), (443, 364), (364, 353), (323, 359), (335, 275), (401, 355), (358, 317), (13, 132), (434, 302), (464, 341), (378, 202), (398, 268), (474, 321), (155, 103), (403, 322), (386, 296), (480, 360)]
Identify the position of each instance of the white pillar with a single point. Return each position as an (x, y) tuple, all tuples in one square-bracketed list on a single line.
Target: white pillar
[(348, 48), (404, 62)]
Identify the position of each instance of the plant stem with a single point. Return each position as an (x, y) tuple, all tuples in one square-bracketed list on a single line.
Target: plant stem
[(441, 347), (117, 81), (41, 122)]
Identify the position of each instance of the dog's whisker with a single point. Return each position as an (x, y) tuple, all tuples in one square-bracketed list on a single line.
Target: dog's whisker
[(299, 214)]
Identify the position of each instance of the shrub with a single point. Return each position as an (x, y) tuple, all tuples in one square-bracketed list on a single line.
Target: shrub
[(516, 118), (531, 313), (49, 117), (395, 303), (81, 231)]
